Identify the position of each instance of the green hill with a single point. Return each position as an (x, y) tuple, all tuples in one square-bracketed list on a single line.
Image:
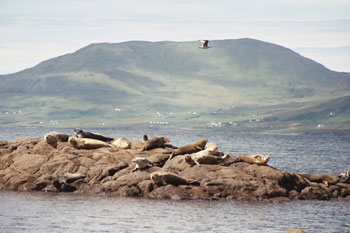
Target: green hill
[(139, 81)]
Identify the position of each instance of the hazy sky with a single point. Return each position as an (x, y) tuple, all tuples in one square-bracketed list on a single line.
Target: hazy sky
[(35, 30)]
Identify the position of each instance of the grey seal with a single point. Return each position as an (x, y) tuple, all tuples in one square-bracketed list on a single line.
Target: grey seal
[(141, 163), (62, 183)]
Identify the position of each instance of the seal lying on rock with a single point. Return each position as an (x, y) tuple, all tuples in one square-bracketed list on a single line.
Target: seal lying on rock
[(122, 143), (254, 159), (141, 163), (214, 150), (156, 142), (62, 182), (204, 157), (320, 178), (164, 178), (82, 134), (210, 155), (53, 137), (87, 143), (344, 177), (189, 149)]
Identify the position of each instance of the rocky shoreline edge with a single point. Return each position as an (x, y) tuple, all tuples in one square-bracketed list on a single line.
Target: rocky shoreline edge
[(155, 169)]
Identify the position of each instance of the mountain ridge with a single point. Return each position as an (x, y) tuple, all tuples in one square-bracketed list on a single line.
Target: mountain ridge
[(147, 77)]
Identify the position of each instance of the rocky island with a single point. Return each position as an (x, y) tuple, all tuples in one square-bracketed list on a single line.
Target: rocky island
[(153, 168)]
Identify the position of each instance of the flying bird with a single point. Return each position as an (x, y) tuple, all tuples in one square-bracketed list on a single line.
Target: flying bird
[(204, 44)]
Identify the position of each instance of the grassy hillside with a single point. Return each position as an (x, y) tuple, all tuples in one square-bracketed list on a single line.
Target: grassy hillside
[(139, 81)]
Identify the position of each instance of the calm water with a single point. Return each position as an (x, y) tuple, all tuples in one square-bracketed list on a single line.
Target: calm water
[(323, 153)]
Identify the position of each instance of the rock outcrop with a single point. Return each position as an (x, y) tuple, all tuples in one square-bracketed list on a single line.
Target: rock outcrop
[(32, 164)]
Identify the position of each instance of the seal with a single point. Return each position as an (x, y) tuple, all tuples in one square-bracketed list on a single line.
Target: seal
[(122, 143), (254, 159), (189, 149), (161, 178), (82, 134), (62, 183), (156, 142), (320, 178), (214, 150), (344, 177), (87, 143), (53, 137), (204, 157), (141, 163), (145, 138)]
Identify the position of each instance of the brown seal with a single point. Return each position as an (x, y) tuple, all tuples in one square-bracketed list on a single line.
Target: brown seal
[(189, 149), (53, 137), (163, 178), (156, 142)]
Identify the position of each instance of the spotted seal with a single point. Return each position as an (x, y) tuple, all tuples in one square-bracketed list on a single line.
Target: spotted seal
[(189, 149), (84, 134)]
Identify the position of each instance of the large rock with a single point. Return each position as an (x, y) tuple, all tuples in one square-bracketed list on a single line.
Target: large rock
[(36, 165)]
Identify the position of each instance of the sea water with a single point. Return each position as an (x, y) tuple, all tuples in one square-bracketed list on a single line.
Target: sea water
[(327, 153)]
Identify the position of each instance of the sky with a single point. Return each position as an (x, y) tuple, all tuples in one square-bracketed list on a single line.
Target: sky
[(37, 30)]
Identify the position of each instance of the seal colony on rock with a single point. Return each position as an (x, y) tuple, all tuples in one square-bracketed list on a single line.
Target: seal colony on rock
[(143, 169)]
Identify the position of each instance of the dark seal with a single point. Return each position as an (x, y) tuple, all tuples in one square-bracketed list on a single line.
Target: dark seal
[(83, 134)]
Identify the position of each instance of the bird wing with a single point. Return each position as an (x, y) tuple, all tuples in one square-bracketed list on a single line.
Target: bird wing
[(205, 43)]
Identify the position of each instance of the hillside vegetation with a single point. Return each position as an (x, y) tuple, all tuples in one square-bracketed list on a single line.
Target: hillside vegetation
[(175, 83)]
